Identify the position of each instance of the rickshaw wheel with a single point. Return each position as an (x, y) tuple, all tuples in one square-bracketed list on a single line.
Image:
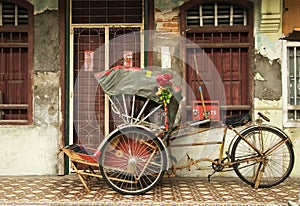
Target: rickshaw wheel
[(132, 161)]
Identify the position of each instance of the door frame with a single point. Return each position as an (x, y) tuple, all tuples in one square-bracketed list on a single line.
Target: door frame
[(67, 77)]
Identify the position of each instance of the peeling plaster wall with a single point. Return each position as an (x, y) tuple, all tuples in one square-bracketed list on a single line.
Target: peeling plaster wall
[(167, 34), (267, 70), (41, 6), (31, 150), (46, 41), (267, 76)]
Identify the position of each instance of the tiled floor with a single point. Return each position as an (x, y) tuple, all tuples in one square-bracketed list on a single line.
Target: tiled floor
[(68, 190)]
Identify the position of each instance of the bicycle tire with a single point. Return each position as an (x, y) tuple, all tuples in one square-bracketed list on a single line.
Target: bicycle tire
[(132, 161), (279, 163)]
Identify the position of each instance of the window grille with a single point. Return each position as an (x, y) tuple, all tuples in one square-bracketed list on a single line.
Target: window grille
[(15, 61), (12, 14), (216, 15), (107, 11), (293, 107)]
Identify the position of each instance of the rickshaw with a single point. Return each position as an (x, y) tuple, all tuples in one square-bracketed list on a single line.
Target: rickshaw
[(137, 154)]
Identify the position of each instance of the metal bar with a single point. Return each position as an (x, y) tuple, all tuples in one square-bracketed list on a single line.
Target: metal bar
[(245, 18), (201, 15), (231, 15), (1, 15), (125, 106), (216, 14), (1, 101), (217, 45), (147, 163), (141, 111), (196, 144), (150, 113), (106, 66), (295, 76), (13, 106), (16, 15), (117, 111), (132, 109)]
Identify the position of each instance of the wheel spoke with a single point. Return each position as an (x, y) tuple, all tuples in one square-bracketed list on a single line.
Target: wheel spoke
[(137, 162)]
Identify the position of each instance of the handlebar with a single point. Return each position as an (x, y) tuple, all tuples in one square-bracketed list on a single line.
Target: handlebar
[(264, 117)]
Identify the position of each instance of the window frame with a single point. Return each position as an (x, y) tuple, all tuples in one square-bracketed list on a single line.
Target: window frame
[(285, 75), (29, 73)]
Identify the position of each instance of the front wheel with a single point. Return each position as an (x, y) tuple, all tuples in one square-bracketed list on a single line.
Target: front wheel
[(132, 161), (269, 168)]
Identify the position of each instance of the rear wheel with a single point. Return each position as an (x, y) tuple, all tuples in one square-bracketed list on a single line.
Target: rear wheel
[(132, 161), (277, 160)]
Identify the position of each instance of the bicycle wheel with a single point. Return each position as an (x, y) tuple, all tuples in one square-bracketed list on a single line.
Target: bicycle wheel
[(132, 161), (276, 162)]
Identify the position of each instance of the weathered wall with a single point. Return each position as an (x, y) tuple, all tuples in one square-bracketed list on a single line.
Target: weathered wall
[(46, 42), (268, 81), (41, 6), (266, 68), (167, 34), (31, 150), (267, 78)]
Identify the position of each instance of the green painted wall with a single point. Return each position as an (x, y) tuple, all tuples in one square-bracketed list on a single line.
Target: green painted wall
[(168, 5), (41, 6)]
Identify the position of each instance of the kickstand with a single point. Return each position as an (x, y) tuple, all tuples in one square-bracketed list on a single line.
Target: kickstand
[(210, 175)]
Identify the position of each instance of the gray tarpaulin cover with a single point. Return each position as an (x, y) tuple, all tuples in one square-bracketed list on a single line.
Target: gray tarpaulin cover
[(136, 81), (133, 81)]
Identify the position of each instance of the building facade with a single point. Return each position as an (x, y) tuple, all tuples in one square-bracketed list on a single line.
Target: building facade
[(50, 51)]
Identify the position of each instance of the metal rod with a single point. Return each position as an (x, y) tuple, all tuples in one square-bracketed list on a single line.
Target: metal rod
[(132, 109), (1, 102), (142, 111), (196, 144), (150, 113), (125, 106), (116, 110)]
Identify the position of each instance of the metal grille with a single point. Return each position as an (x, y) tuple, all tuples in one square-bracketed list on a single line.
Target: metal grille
[(14, 45), (89, 101), (12, 14), (124, 39), (293, 83), (107, 11), (216, 15), (88, 97)]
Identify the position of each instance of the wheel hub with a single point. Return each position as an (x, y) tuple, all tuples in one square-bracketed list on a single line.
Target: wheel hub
[(131, 166)]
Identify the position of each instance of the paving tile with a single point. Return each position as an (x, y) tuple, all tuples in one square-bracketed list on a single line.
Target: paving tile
[(68, 190)]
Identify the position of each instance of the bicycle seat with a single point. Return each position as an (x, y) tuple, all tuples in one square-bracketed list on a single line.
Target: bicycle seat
[(238, 120)]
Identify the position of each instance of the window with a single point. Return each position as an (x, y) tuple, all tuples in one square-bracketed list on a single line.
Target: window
[(291, 83), (215, 14), (223, 33), (107, 11), (16, 31)]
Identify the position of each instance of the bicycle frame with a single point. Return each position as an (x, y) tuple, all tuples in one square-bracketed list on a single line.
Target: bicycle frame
[(222, 144)]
